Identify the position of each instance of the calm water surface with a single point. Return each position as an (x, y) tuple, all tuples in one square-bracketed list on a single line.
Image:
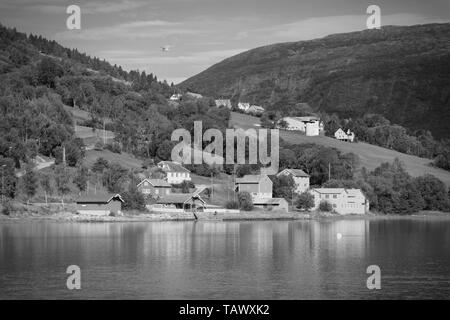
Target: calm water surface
[(226, 260)]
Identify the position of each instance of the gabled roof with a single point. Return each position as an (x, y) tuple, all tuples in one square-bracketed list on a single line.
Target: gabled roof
[(329, 190), (251, 178), (156, 183), (295, 173), (350, 192), (170, 166), (259, 201), (99, 198), (178, 198)]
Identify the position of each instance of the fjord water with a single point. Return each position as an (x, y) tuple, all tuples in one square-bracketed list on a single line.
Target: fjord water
[(227, 260)]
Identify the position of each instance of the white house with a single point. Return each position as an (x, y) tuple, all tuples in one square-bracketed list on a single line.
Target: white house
[(255, 109), (300, 177), (175, 172), (243, 106), (343, 201), (311, 126), (343, 136), (223, 102), (176, 97)]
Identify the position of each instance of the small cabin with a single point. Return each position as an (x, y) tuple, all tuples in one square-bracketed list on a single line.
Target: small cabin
[(100, 204)]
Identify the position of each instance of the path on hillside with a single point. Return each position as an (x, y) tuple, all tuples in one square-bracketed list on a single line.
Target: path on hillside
[(370, 156)]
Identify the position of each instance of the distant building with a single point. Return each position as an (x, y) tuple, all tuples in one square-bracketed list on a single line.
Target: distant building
[(185, 201), (255, 109), (259, 186), (176, 97), (154, 187), (310, 125), (300, 177), (344, 136), (194, 95), (223, 103), (175, 172), (99, 204), (271, 204), (343, 201), (243, 106)]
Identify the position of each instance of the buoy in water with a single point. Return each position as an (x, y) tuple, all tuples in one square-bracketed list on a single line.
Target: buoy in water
[(339, 235)]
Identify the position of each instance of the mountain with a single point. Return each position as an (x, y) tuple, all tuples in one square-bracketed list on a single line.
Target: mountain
[(399, 72)]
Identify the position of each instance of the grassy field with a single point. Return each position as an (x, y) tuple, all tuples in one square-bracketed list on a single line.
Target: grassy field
[(124, 159), (81, 115), (370, 156)]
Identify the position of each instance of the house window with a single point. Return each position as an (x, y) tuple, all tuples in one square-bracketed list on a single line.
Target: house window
[(334, 205), (334, 196), (327, 196)]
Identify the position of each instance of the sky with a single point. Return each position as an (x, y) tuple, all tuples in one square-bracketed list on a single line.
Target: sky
[(201, 33)]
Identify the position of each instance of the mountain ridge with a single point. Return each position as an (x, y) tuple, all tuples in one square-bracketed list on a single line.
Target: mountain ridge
[(399, 72)]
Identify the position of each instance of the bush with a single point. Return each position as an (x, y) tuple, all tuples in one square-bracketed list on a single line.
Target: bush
[(304, 201), (325, 206), (245, 201), (7, 208), (133, 199), (232, 204), (114, 147)]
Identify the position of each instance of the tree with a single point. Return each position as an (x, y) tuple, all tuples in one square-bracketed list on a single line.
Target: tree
[(81, 178), (304, 201), (9, 180), (100, 165), (433, 192), (133, 198), (46, 185), (62, 178), (325, 206), (29, 181), (48, 70), (113, 177), (283, 186), (245, 201)]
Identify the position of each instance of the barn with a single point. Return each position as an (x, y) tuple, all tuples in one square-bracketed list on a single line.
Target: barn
[(100, 204)]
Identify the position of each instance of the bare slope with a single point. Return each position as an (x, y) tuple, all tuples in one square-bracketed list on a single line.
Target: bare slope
[(370, 156), (400, 72)]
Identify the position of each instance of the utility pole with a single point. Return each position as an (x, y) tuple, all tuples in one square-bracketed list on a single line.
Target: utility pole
[(329, 171), (3, 181), (234, 182), (104, 132), (212, 186), (64, 155)]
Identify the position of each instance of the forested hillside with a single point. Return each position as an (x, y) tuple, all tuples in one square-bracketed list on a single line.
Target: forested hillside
[(40, 83), (399, 72)]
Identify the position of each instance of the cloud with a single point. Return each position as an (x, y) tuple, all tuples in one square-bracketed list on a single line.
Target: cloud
[(86, 6), (129, 30)]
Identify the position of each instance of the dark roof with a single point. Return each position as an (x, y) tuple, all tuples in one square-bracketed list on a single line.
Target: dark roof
[(296, 172), (177, 198), (170, 166), (250, 178), (99, 198), (156, 183), (259, 201)]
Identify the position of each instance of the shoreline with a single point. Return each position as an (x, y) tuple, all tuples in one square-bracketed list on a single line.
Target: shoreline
[(223, 217)]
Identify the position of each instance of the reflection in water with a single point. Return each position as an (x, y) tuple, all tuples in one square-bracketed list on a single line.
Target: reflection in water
[(226, 260)]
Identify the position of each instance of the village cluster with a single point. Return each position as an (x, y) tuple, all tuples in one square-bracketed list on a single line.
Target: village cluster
[(343, 201)]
